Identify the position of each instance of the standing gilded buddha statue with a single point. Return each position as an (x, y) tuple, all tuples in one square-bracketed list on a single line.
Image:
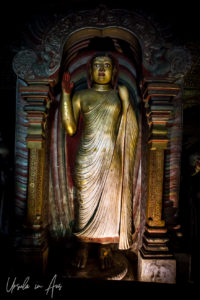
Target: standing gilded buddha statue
[(104, 162)]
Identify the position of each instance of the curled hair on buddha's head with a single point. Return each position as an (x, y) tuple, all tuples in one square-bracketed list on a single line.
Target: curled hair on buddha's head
[(114, 64), (103, 54)]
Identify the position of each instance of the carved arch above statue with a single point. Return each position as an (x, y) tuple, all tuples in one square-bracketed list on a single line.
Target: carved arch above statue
[(159, 56)]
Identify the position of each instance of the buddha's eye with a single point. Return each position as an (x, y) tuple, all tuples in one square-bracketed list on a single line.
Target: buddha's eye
[(107, 65)]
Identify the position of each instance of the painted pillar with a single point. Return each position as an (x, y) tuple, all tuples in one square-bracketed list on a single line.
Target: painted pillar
[(156, 263), (34, 248)]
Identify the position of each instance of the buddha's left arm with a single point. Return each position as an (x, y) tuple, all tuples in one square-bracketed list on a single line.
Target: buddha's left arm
[(124, 95)]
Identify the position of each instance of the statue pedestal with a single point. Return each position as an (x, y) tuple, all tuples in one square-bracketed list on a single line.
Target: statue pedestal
[(121, 270), (161, 270)]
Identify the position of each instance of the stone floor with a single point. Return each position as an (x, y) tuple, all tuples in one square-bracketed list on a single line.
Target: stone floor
[(58, 268)]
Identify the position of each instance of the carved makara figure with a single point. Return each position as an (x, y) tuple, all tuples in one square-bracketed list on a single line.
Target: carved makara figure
[(104, 161)]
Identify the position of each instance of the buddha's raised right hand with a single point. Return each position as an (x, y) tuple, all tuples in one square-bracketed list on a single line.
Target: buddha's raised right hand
[(67, 86)]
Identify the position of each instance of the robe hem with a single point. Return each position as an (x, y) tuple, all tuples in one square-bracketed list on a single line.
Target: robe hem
[(106, 240)]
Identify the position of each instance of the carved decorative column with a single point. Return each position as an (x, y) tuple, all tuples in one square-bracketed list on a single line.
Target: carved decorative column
[(156, 263), (34, 249)]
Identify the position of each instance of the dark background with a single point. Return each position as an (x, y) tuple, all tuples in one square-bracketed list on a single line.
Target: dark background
[(181, 17)]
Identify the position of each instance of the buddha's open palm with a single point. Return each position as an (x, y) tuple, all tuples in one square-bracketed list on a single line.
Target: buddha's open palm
[(66, 84)]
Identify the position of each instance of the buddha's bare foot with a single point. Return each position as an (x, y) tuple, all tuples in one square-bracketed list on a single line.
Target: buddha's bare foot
[(81, 257), (105, 257)]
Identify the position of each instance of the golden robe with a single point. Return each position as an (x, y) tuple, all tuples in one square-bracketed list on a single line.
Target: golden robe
[(104, 171)]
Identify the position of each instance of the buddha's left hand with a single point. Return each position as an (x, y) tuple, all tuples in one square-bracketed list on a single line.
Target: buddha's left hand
[(124, 95)]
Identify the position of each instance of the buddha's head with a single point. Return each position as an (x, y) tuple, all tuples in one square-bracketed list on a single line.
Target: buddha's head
[(102, 69)]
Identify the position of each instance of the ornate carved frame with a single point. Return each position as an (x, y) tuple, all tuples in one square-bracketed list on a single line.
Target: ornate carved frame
[(164, 65)]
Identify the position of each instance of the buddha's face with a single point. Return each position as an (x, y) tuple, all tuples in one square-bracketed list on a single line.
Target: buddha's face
[(102, 70)]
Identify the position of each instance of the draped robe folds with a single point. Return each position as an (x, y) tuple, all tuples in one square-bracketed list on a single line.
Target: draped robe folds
[(104, 172)]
